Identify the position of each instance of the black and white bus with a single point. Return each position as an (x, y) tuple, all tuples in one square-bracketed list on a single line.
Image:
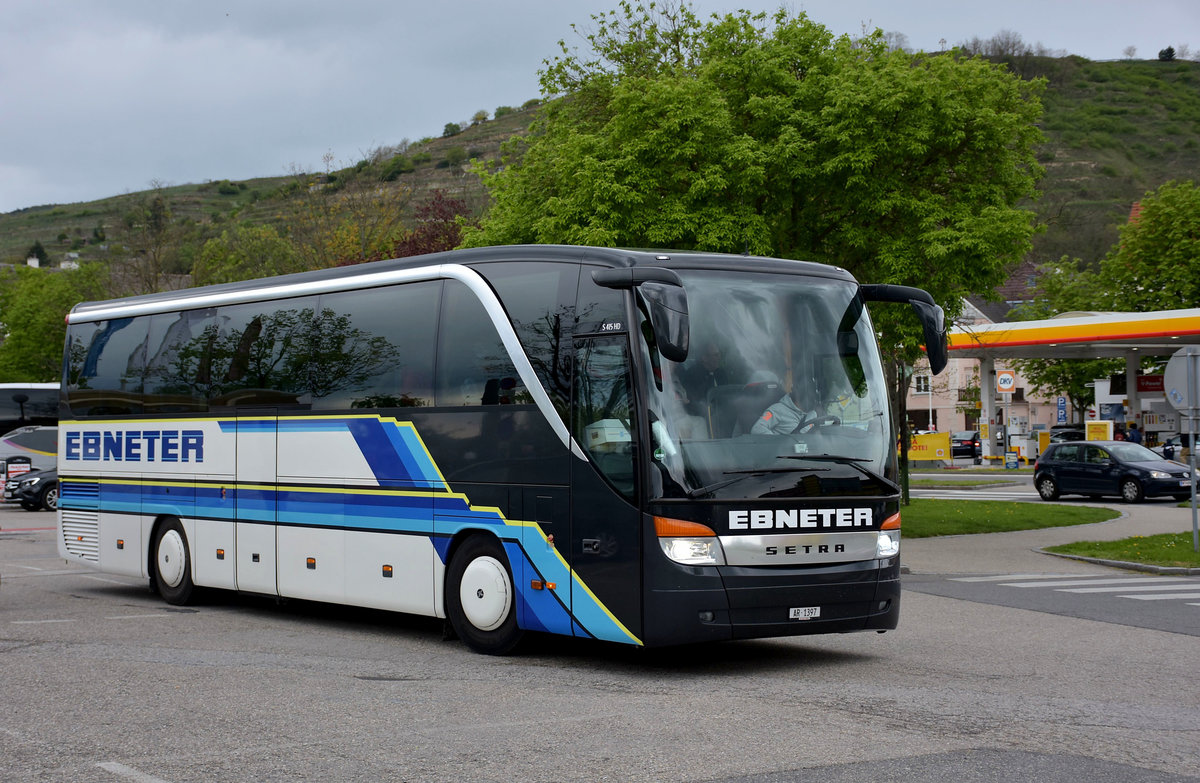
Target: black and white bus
[(638, 447)]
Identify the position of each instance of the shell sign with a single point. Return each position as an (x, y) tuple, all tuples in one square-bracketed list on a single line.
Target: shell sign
[(930, 446)]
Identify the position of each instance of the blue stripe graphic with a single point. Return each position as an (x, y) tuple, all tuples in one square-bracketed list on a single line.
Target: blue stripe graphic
[(411, 498)]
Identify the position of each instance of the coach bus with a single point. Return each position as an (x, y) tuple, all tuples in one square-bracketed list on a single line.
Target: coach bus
[(516, 439), (28, 413), (28, 404)]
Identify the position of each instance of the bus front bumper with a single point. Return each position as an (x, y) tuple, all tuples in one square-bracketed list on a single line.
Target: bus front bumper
[(731, 602)]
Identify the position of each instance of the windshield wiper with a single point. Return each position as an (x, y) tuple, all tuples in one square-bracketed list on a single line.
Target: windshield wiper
[(852, 462), (743, 474)]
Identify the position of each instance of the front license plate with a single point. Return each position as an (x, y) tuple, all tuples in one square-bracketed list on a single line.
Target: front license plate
[(1185, 483), (804, 612)]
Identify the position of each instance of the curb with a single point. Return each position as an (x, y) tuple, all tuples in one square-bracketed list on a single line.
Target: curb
[(1153, 569)]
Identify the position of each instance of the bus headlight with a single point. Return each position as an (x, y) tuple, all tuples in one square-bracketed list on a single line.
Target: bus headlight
[(689, 543), (888, 542)]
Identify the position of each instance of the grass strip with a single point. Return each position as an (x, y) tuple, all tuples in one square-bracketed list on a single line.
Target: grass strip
[(959, 483), (1167, 549), (925, 518)]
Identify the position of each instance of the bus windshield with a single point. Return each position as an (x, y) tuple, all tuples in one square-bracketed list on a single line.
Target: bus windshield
[(782, 393)]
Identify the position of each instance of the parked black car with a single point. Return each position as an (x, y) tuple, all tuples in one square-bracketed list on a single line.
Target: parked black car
[(1108, 467), (34, 490), (965, 444), (1065, 435)]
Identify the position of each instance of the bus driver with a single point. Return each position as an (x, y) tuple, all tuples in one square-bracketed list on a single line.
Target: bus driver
[(795, 411)]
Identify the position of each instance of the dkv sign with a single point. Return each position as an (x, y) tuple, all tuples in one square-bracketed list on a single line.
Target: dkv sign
[(1006, 381)]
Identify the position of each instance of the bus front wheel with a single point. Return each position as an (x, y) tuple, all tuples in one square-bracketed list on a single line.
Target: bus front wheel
[(480, 599), (172, 566)]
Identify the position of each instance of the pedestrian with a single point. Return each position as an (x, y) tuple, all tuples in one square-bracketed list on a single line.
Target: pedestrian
[(1134, 435)]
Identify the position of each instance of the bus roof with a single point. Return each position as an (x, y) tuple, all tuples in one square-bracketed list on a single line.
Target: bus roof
[(386, 272)]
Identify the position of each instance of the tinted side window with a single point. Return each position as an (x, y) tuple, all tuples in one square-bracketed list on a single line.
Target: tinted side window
[(540, 301), (1066, 453), (374, 348), (260, 356), (43, 439), (104, 366), (473, 367)]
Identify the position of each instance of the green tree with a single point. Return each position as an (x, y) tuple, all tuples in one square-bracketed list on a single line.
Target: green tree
[(348, 220), (33, 308), (151, 242), (38, 251), (1156, 263), (1154, 266), (773, 137), (246, 253)]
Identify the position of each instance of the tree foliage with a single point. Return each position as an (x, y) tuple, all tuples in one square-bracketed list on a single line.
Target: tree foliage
[(33, 307), (246, 253), (745, 133), (1154, 266), (347, 220), (1156, 263), (437, 226)]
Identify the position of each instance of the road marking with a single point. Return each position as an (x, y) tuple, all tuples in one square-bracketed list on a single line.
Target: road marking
[(1129, 588), (135, 616), (110, 581), (31, 568), (129, 773), (38, 622), (1086, 582), (1006, 577), (1172, 597)]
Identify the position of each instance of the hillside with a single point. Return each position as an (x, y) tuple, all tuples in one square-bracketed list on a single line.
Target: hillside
[(1114, 130)]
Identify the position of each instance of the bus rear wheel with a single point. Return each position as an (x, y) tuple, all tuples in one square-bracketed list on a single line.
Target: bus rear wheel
[(172, 565), (480, 599)]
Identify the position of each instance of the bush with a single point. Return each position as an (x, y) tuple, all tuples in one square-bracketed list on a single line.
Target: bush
[(397, 165), (451, 129)]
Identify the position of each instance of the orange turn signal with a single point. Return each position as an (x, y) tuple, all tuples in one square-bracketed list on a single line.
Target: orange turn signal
[(666, 527), (891, 523)]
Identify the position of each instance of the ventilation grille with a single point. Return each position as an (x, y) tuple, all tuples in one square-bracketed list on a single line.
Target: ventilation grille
[(79, 490), (81, 534)]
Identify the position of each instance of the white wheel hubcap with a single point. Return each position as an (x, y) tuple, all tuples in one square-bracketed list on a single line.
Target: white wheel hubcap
[(171, 558), (485, 593)]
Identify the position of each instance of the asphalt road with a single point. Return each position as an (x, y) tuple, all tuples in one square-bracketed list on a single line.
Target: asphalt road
[(102, 681)]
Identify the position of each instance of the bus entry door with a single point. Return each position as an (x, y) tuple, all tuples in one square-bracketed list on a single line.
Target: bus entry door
[(255, 503), (605, 538)]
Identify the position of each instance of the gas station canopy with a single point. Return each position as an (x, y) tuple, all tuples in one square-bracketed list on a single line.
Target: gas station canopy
[(1080, 336)]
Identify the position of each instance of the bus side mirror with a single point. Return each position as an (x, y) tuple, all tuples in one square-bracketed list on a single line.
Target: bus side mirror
[(933, 323), (665, 301), (932, 317), (668, 308)]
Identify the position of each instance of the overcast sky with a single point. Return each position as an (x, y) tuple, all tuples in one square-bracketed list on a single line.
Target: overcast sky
[(104, 97)]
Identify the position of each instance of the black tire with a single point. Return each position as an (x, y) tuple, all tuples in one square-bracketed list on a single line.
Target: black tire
[(1131, 490), (481, 597), (1047, 488), (49, 499), (172, 564)]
